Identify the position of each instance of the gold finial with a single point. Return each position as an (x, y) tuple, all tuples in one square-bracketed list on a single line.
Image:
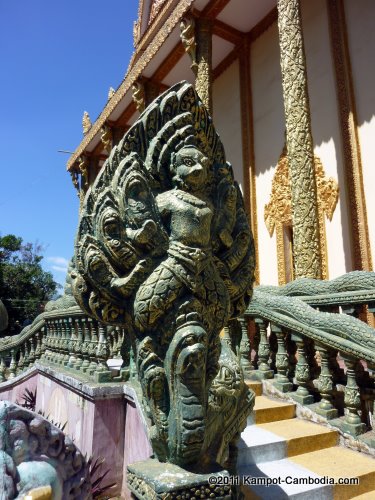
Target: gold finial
[(111, 93), (86, 122)]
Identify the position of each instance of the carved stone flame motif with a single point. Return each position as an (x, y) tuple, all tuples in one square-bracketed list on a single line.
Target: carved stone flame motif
[(164, 250), (278, 210)]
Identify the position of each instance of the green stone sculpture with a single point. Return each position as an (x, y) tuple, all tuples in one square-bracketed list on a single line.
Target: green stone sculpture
[(35, 454), (164, 250)]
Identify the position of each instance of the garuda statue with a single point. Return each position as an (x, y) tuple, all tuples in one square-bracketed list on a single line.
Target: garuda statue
[(164, 249)]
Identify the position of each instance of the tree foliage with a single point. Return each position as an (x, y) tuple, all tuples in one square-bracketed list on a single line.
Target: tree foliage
[(24, 286)]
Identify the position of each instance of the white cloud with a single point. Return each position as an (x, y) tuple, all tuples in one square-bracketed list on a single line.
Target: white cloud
[(59, 269), (58, 261)]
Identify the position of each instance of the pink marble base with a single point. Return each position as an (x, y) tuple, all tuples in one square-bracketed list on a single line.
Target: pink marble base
[(137, 446), (102, 421), (14, 389)]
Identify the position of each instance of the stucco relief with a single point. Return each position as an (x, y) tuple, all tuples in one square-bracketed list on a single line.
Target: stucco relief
[(278, 211)]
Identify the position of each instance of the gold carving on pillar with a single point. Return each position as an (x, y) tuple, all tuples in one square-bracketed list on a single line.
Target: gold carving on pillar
[(187, 35), (139, 95), (203, 80), (278, 212), (86, 122), (362, 259), (106, 137), (307, 261)]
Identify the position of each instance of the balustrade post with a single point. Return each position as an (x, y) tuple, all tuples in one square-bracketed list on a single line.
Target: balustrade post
[(2, 366), (38, 346), (86, 345), (21, 360), (79, 345), (72, 340), (32, 351), (60, 342), (325, 385), (43, 340), (93, 346), (245, 350), (13, 363), (66, 330), (352, 423), (282, 383), (302, 375), (264, 371), (102, 373)]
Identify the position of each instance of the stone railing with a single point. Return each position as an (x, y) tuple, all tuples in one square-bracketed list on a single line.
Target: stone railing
[(66, 338), (323, 359)]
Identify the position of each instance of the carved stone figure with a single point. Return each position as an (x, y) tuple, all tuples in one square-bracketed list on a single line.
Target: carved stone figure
[(34, 455), (164, 250)]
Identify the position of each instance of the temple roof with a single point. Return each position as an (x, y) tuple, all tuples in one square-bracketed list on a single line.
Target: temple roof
[(159, 55)]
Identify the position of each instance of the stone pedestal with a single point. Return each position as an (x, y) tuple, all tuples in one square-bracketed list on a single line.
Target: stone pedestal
[(153, 480)]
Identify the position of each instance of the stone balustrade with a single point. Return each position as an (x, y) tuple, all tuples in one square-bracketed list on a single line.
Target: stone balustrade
[(323, 360), (65, 338)]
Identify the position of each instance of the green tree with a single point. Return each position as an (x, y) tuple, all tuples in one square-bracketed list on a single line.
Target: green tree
[(24, 286)]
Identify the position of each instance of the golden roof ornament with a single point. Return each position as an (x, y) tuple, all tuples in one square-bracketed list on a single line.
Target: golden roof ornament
[(139, 95), (187, 35), (111, 93), (106, 137), (86, 122), (156, 6)]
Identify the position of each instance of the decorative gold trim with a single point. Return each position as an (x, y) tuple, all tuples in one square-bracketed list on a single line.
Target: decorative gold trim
[(134, 72), (307, 262), (362, 259), (203, 78), (278, 211), (247, 132)]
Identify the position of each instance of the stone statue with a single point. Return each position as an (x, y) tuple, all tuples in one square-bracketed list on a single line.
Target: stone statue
[(164, 250), (37, 456)]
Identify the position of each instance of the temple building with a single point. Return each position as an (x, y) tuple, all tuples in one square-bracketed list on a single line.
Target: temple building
[(288, 84)]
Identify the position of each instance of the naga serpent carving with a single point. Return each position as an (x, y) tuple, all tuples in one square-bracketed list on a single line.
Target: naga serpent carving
[(164, 249)]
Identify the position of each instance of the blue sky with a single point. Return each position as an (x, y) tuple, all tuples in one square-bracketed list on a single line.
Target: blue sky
[(58, 59)]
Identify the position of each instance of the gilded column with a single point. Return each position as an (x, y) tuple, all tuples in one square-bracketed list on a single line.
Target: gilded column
[(306, 246), (247, 128), (362, 260), (203, 79)]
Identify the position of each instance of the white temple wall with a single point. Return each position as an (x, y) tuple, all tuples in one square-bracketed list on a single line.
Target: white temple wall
[(268, 116), (227, 117), (360, 16), (326, 129)]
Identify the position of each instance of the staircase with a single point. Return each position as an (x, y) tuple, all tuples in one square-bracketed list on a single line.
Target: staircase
[(276, 444)]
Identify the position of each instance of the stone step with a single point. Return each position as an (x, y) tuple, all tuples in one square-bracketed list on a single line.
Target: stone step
[(284, 472), (314, 471), (339, 462), (269, 410), (255, 386), (284, 438)]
